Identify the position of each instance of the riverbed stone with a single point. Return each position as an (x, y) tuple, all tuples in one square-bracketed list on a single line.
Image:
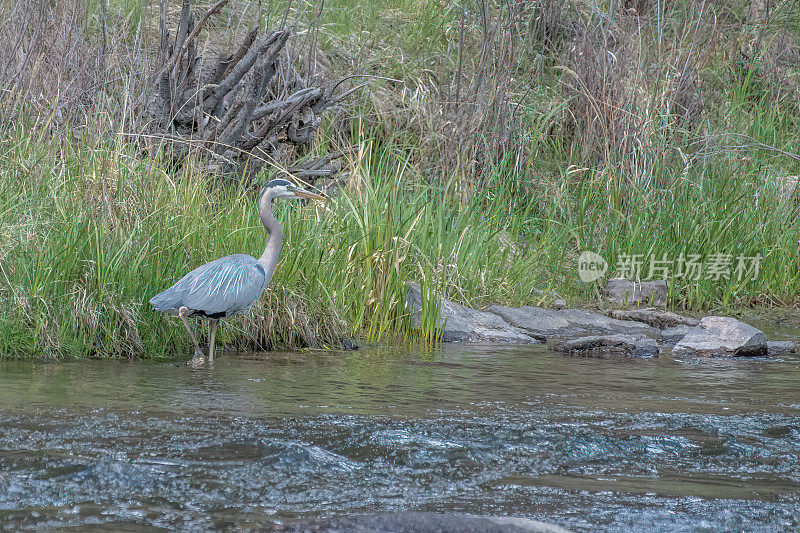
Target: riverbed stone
[(780, 348), (654, 317), (722, 336), (460, 323), (421, 522), (621, 291), (605, 346), (549, 299), (671, 336), (567, 323)]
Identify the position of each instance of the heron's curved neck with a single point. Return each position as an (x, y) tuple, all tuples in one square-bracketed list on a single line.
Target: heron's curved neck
[(269, 259)]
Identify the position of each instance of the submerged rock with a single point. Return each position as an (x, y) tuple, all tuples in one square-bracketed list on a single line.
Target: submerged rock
[(722, 336), (422, 522), (653, 317), (349, 345), (621, 291), (460, 323), (610, 346), (781, 348)]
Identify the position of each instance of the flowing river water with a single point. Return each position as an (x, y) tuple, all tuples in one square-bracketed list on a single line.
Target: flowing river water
[(262, 439)]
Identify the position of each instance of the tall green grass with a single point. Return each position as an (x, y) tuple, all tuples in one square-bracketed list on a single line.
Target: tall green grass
[(90, 230)]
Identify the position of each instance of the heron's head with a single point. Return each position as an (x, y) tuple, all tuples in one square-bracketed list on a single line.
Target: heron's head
[(280, 188)]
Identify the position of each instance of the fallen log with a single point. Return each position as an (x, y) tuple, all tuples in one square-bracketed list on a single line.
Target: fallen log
[(232, 111)]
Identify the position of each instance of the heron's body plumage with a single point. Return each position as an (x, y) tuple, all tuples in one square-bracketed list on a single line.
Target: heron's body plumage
[(225, 287)]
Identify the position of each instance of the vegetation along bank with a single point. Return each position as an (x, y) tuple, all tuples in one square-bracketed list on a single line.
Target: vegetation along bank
[(476, 147)]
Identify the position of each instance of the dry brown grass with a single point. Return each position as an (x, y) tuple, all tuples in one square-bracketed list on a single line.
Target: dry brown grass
[(48, 67), (103, 323), (60, 65), (631, 80), (284, 318), (630, 72)]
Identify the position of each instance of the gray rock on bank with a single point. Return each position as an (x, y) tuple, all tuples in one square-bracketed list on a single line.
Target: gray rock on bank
[(722, 336), (461, 323), (607, 346), (628, 333), (671, 336), (565, 323), (653, 317), (527, 324), (549, 299), (621, 291), (780, 348)]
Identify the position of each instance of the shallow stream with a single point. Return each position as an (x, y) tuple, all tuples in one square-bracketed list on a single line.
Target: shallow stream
[(261, 439)]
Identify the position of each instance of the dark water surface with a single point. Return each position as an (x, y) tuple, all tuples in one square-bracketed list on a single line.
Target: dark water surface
[(659, 445)]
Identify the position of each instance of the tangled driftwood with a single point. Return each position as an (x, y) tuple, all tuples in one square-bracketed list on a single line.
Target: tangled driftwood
[(237, 111)]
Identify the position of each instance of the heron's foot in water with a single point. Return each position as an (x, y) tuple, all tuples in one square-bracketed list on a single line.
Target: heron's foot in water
[(197, 361)]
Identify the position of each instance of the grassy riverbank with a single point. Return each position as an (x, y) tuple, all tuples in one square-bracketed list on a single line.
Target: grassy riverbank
[(442, 190), (91, 232)]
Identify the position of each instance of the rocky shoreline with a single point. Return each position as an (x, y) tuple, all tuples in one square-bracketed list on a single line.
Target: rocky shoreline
[(639, 332)]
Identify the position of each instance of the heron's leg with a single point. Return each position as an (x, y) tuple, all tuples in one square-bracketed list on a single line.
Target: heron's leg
[(198, 354), (213, 328)]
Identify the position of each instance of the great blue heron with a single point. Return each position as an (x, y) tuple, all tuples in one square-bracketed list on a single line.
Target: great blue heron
[(230, 285)]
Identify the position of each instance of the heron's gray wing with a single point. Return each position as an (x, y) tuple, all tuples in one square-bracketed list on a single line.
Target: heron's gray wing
[(228, 286), (220, 288)]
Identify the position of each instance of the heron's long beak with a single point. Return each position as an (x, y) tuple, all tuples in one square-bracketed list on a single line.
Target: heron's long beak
[(311, 195)]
